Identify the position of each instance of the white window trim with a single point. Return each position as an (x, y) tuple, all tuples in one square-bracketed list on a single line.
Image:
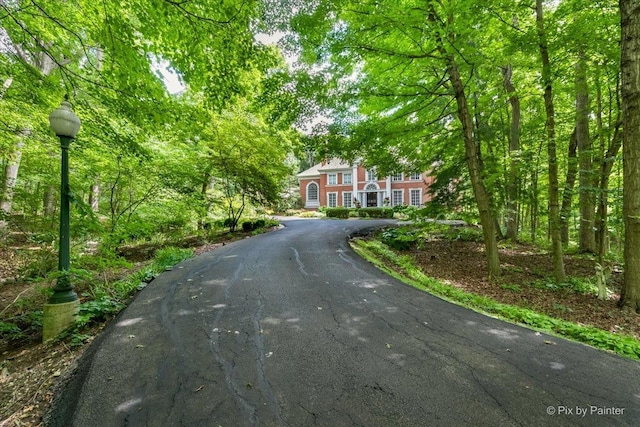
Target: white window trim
[(415, 176), (419, 190), (347, 202), (372, 186), (393, 177), (329, 194), (335, 179), (393, 198), (315, 202), (350, 175)]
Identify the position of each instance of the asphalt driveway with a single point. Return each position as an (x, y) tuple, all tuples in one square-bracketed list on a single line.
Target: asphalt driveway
[(292, 328)]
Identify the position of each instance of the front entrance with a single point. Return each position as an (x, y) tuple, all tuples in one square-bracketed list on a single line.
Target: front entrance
[(372, 200)]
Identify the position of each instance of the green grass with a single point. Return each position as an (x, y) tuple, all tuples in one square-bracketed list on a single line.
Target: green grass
[(383, 257)]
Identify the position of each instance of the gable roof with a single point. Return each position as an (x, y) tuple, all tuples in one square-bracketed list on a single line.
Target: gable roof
[(331, 165), (312, 172), (334, 164)]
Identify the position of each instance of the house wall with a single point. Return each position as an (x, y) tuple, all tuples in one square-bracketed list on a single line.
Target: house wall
[(338, 188), (303, 190), (386, 187)]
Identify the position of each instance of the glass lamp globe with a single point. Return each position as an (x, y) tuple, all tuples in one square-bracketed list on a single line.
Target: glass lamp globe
[(64, 121)]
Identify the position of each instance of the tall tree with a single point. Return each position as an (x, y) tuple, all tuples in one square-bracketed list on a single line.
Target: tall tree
[(630, 67), (554, 207), (587, 241), (399, 82), (569, 184), (513, 180), (472, 151), (609, 146)]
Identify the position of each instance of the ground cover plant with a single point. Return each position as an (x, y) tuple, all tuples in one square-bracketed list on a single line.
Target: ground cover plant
[(449, 264), (105, 284)]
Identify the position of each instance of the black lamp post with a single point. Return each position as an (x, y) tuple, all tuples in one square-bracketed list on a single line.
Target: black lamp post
[(66, 125)]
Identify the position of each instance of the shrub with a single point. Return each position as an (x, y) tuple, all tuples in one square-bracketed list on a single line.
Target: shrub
[(466, 234), (10, 331), (248, 226), (168, 257), (337, 213), (401, 239), (375, 212)]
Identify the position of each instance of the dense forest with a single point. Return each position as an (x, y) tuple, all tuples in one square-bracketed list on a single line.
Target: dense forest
[(525, 111), (521, 108), (145, 159)]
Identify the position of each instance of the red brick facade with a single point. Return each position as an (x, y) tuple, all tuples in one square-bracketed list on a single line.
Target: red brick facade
[(338, 184)]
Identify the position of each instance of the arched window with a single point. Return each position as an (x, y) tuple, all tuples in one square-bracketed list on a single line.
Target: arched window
[(371, 187), (312, 193)]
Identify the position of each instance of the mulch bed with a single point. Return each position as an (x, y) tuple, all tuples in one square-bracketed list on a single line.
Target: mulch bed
[(463, 264)]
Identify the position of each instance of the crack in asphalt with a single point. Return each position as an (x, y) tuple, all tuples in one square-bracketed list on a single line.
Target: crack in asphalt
[(228, 367), (313, 415), (350, 350), (491, 395), (300, 264), (265, 386), (169, 326), (347, 258)]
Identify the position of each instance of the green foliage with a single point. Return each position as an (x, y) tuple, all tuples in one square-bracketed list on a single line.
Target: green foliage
[(414, 236), (98, 310), (27, 322), (258, 224), (342, 213), (41, 264), (577, 285), (375, 213), (465, 234), (168, 257), (100, 262), (401, 239), (230, 223), (512, 288), (412, 213), (78, 340), (310, 214), (108, 299), (10, 331), (248, 226)]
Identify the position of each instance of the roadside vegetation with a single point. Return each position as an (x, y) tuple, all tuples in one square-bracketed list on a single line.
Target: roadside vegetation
[(447, 261), (106, 278)]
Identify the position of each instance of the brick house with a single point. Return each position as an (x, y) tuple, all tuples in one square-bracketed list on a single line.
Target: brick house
[(336, 183)]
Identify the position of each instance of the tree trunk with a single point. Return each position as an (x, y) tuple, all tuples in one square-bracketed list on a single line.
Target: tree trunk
[(482, 196), (11, 174), (94, 196), (204, 189), (607, 160), (554, 211), (473, 163), (603, 198), (567, 194), (513, 178), (586, 239), (533, 202), (49, 201), (630, 68)]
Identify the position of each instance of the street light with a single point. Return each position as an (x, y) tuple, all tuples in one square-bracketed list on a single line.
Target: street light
[(66, 125)]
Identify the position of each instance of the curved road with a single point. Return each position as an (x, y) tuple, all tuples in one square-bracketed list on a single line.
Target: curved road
[(291, 328)]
